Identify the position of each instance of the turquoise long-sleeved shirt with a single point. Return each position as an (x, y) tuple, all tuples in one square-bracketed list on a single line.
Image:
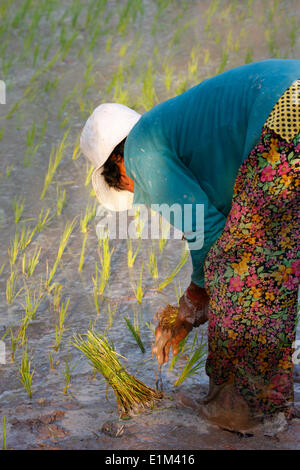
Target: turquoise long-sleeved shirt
[(188, 149)]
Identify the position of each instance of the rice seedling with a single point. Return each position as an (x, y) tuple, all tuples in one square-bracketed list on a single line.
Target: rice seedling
[(26, 237), (148, 95), (168, 70), (151, 327), (52, 364), (56, 295), (105, 255), (196, 360), (161, 5), (206, 58), (179, 32), (175, 271), (229, 41), (13, 345), (55, 158), (32, 303), (98, 287), (293, 31), (68, 98), (32, 262), (134, 330), (224, 60), (13, 251), (139, 223), (32, 148), (164, 230), (178, 291), (89, 171), (111, 314), (51, 85), (45, 68), (124, 48), (9, 170), (18, 208), (43, 220), (60, 328), (193, 64), (76, 150), (182, 349), (249, 55), (25, 371), (4, 446), (82, 253), (35, 54), (138, 288), (130, 255), (152, 265), (76, 9), (117, 78), (68, 45), (127, 14), (2, 267), (11, 287), (90, 213), (67, 374), (62, 245), (89, 76), (270, 35), (22, 331), (121, 95), (132, 395), (60, 200)]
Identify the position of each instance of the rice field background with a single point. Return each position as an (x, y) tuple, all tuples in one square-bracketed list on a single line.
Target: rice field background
[(59, 60)]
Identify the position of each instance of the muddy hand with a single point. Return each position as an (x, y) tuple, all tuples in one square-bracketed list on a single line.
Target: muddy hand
[(192, 312), (165, 338)]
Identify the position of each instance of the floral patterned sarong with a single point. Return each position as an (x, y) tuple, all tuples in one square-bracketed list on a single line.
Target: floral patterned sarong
[(252, 275)]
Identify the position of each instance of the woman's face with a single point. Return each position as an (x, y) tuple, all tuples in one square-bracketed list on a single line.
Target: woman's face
[(127, 182)]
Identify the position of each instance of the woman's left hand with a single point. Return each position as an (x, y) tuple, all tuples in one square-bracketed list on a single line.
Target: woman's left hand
[(193, 305)]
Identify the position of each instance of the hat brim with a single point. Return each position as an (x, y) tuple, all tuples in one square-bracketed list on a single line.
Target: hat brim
[(110, 198)]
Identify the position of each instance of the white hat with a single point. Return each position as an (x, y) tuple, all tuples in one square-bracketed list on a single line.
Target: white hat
[(107, 126)]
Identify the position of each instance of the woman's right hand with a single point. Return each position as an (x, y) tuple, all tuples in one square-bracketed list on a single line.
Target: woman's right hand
[(192, 312), (165, 338)]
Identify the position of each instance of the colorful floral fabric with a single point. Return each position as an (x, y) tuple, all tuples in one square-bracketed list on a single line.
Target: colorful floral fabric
[(252, 275)]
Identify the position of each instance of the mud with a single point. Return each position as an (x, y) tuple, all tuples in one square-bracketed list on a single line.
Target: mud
[(174, 424)]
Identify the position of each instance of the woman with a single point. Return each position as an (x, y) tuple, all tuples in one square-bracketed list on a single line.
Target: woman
[(231, 144)]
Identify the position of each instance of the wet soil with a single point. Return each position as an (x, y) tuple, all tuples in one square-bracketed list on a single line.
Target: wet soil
[(174, 424)]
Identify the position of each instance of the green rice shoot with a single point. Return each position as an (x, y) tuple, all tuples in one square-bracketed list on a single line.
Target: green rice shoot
[(132, 395)]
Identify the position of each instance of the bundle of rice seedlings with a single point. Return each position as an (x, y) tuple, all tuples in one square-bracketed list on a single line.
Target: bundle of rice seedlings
[(132, 395), (166, 317)]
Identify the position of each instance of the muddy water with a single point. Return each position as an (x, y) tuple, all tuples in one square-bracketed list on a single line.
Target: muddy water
[(52, 418)]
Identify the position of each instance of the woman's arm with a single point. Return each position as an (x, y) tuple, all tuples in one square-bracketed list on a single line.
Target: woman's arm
[(166, 183)]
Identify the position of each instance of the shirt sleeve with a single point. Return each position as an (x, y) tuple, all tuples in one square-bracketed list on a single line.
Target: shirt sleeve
[(166, 181)]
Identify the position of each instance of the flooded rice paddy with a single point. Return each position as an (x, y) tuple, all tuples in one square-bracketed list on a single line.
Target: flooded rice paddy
[(59, 60)]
